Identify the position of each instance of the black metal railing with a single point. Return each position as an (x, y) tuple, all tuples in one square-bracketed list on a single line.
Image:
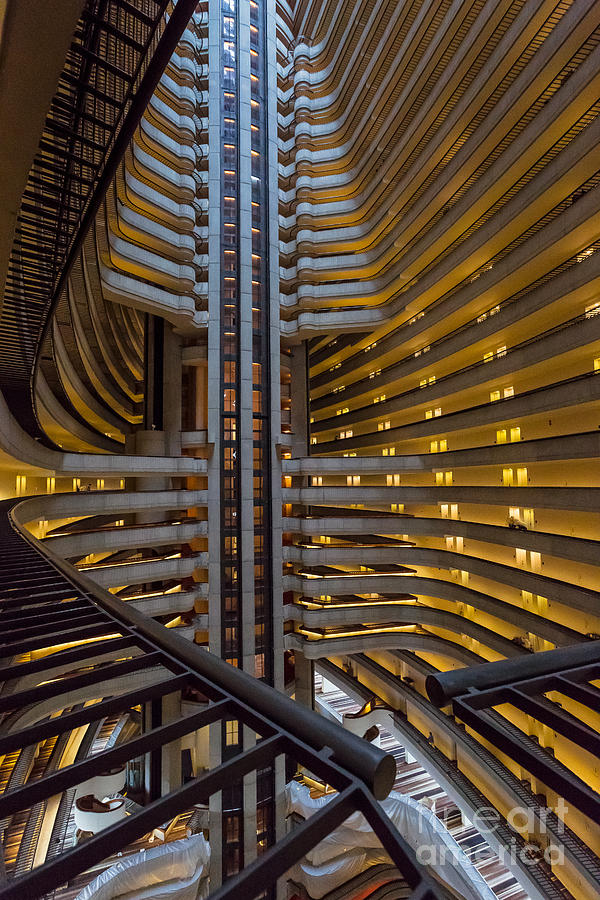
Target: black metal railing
[(522, 684), (507, 837), (63, 637), (117, 56)]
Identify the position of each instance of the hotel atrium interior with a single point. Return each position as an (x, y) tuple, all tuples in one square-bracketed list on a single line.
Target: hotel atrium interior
[(299, 449)]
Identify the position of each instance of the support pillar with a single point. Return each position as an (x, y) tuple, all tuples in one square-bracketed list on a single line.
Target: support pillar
[(305, 679)]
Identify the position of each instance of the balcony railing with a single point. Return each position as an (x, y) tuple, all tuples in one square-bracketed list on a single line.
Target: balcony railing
[(66, 642), (522, 684), (116, 58)]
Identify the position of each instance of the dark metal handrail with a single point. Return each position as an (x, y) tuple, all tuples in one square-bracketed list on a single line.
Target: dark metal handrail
[(523, 683), (442, 687), (546, 880), (45, 602), (118, 54)]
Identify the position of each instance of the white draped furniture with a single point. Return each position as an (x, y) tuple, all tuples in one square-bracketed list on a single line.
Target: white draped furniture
[(353, 847), (175, 871)]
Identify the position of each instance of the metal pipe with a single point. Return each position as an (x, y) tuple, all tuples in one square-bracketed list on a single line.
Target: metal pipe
[(375, 768), (443, 686)]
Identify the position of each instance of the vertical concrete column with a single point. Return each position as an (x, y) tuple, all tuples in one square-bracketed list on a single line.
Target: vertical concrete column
[(152, 362), (150, 443), (152, 718), (162, 767), (214, 400), (213, 411), (275, 349), (170, 770), (201, 374), (200, 750), (147, 713), (299, 392), (172, 391), (215, 815), (299, 414), (304, 679), (249, 801)]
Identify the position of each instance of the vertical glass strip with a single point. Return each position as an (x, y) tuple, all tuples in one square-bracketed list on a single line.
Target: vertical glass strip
[(231, 612), (231, 587), (261, 400), (260, 348)]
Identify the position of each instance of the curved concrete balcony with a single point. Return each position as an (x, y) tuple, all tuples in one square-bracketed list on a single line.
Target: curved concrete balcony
[(172, 144), (19, 445), (162, 176), (96, 656), (432, 557), (550, 497), (568, 393), (111, 687), (308, 323), (337, 91), (197, 354), (84, 400), (526, 149), (122, 364), (103, 785), (181, 97), (348, 617), (175, 277), (161, 237), (408, 640), (352, 555), (520, 619), (72, 432), (179, 309), (127, 573), (140, 466), (583, 445), (515, 320), (178, 122), (89, 357), (393, 344), (200, 18), (559, 545), (121, 538), (527, 259), (169, 603), (190, 44), (79, 505), (92, 815), (177, 213), (358, 286), (539, 197), (194, 440)]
